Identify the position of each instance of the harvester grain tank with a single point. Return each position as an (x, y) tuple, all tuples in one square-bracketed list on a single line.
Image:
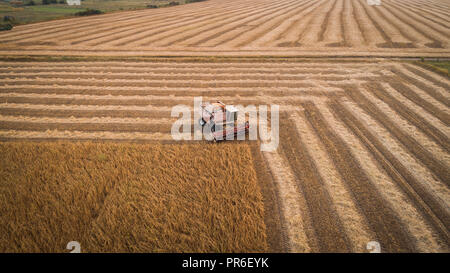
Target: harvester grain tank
[(222, 120)]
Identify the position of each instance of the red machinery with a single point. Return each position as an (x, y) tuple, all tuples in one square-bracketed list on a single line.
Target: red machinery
[(222, 120)]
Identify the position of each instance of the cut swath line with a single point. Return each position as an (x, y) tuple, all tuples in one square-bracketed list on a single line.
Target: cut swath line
[(55, 70), (314, 24), (425, 201), (12, 134), (85, 107), (424, 28), (68, 113), (411, 117), (324, 24), (326, 223), (418, 111), (228, 34), (149, 91), (97, 27), (154, 31), (429, 77), (159, 102), (37, 119), (439, 94), (276, 226), (87, 127), (130, 77), (409, 33), (264, 12), (196, 31), (291, 202), (271, 38), (267, 28), (428, 159), (291, 35), (381, 218), (353, 222), (188, 64), (420, 98), (401, 152), (426, 238), (249, 25)]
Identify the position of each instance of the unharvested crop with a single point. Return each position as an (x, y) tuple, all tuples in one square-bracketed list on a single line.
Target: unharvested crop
[(122, 197)]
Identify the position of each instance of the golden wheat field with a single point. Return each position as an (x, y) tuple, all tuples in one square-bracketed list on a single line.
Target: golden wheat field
[(247, 27), (363, 154), (129, 198)]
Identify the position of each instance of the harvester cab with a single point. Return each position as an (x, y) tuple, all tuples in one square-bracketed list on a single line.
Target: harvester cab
[(222, 119)]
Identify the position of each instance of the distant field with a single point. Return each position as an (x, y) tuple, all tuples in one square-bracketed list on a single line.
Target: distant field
[(248, 27), (39, 13), (129, 198)]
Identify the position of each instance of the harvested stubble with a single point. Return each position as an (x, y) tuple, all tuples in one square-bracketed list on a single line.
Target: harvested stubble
[(124, 197), (246, 27)]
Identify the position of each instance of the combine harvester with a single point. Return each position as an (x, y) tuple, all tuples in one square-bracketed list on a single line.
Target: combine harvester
[(222, 119)]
